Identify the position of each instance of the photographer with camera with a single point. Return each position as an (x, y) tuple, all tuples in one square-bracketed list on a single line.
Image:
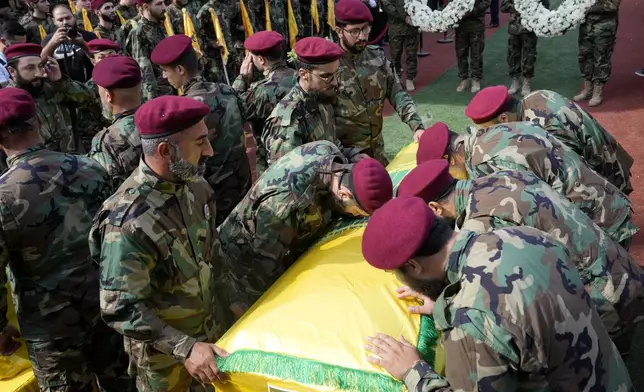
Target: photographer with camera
[(68, 45)]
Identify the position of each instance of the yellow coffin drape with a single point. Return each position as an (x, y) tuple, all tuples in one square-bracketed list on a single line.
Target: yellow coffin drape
[(307, 333)]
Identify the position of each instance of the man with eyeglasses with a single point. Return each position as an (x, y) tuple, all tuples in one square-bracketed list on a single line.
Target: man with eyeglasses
[(306, 113), (366, 78)]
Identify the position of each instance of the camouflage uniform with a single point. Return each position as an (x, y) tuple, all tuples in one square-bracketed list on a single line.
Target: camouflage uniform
[(521, 146), (211, 60), (31, 23), (365, 81), (113, 34), (175, 12), (118, 148), (47, 202), (597, 35), (93, 19), (510, 198), (261, 98), (520, 320), (57, 107), (522, 44), (126, 12), (158, 251), (228, 170), (578, 129), (126, 29), (470, 42), (284, 212), (140, 42), (296, 120), (401, 34)]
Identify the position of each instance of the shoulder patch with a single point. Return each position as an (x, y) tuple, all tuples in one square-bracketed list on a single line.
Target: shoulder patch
[(126, 208)]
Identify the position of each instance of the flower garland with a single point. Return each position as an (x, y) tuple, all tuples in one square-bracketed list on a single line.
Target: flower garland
[(551, 23), (426, 19)]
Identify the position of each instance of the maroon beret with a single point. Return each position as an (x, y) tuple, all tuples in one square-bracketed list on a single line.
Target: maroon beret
[(316, 50), (171, 49), (98, 45), (167, 115), (96, 4), (429, 180), (16, 106), (433, 143), (487, 104), (116, 72), (17, 51), (263, 42), (141, 2), (352, 11), (396, 231), (371, 184)]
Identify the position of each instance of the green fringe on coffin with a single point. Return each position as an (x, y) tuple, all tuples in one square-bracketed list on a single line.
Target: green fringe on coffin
[(310, 372)]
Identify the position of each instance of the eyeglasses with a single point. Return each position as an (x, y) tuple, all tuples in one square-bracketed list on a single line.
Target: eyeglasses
[(355, 33), (327, 78)]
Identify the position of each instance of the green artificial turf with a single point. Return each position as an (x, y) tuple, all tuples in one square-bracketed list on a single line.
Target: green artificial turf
[(556, 69)]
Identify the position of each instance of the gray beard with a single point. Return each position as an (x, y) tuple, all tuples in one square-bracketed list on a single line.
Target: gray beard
[(184, 170)]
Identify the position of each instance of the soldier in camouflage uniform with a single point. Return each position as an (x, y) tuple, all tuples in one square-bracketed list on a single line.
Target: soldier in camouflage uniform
[(118, 147), (522, 49), (85, 7), (514, 315), (175, 13), (366, 79), (57, 99), (47, 202), (597, 36), (402, 35), (519, 198), (521, 146), (228, 170), (291, 205), (38, 22), (98, 50), (212, 59), (140, 42), (561, 117), (260, 98), (470, 44), (126, 11), (108, 26), (158, 250)]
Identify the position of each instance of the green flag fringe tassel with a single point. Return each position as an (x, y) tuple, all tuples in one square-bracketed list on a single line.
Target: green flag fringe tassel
[(310, 372)]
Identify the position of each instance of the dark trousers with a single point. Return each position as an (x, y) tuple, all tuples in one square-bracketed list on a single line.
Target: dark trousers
[(494, 12)]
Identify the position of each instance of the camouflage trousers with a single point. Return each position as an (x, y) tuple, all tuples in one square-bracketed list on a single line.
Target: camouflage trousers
[(596, 43), (522, 54), (75, 364), (404, 36), (470, 43)]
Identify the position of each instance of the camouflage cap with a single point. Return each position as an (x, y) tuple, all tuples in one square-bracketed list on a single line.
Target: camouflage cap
[(17, 51), (433, 143), (116, 72), (396, 231), (167, 115), (98, 45), (429, 180), (16, 106), (487, 104), (371, 184), (263, 42), (353, 11), (170, 49), (316, 50)]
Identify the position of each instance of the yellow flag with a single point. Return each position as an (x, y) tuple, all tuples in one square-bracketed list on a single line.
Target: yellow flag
[(168, 26), (98, 34), (72, 6), (267, 13), (292, 25), (331, 13), (42, 32), (314, 15), (121, 18), (189, 30), (87, 25), (248, 27), (179, 92), (219, 33)]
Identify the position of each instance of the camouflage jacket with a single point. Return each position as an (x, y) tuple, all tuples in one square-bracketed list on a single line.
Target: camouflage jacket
[(47, 202), (522, 146), (515, 26), (579, 130), (30, 23), (140, 42), (475, 17), (175, 12), (603, 8), (127, 12), (113, 34), (58, 106), (118, 148), (365, 81), (93, 19), (206, 31), (228, 170), (296, 120), (125, 32), (282, 214), (158, 252), (519, 322), (519, 198)]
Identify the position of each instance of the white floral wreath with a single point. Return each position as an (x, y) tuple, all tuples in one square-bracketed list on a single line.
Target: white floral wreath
[(426, 19)]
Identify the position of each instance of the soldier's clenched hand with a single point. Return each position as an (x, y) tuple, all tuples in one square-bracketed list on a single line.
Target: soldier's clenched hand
[(202, 362), (426, 308)]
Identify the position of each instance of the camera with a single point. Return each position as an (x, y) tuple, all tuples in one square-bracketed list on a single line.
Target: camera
[(72, 32)]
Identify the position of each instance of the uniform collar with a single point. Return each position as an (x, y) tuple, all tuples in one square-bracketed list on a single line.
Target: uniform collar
[(147, 176), (275, 67), (151, 23), (310, 102), (124, 114), (24, 155), (194, 82), (463, 189)]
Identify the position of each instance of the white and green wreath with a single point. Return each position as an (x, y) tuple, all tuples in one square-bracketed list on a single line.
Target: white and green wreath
[(426, 19)]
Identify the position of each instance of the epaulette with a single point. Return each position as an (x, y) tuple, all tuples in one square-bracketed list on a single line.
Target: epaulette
[(286, 116), (376, 48), (126, 208)]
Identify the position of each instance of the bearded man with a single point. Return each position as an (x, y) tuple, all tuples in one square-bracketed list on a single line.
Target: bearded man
[(108, 26)]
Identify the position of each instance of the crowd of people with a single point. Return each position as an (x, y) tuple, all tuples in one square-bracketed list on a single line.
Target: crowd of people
[(135, 236)]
